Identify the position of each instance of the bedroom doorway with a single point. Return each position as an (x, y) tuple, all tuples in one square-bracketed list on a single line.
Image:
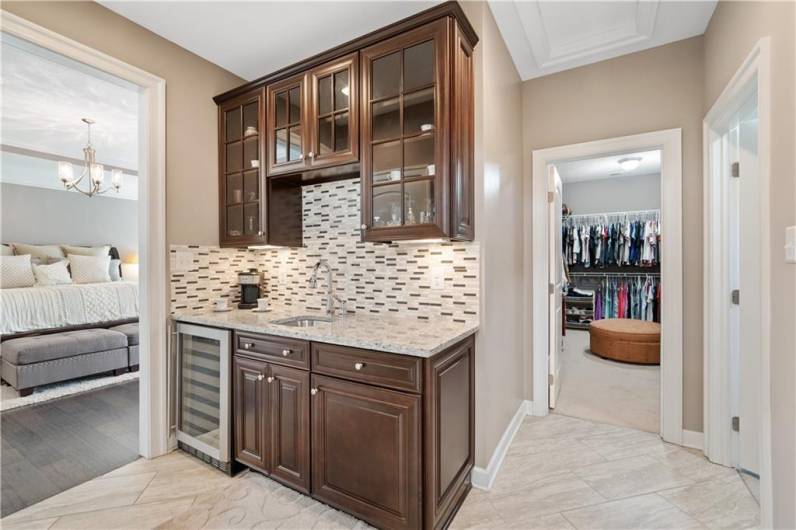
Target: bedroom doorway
[(70, 374)]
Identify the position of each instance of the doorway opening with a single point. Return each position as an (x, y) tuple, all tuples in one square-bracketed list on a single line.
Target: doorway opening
[(605, 306)]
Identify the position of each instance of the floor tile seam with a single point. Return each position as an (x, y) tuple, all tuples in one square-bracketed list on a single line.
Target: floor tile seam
[(146, 487), (748, 489), (692, 516), (165, 501), (491, 494), (60, 516)]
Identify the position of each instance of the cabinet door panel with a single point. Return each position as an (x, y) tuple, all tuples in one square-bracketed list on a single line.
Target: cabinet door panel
[(287, 124), (250, 404), (462, 134), (290, 426), (366, 451)]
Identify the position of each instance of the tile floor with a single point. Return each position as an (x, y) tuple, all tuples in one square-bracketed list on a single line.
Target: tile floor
[(629, 394), (560, 472)]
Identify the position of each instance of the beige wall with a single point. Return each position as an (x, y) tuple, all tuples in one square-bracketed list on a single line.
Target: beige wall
[(734, 29), (656, 89), (500, 371), (191, 83)]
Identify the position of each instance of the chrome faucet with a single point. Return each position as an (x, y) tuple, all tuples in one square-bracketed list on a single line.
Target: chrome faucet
[(330, 296)]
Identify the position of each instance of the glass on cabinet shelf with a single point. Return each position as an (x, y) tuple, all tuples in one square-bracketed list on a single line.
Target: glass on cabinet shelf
[(250, 120), (234, 189), (251, 187), (251, 219), (418, 66), (419, 202), (387, 206), (387, 162), (234, 157), (419, 111), (235, 221), (419, 157), (251, 153), (232, 125)]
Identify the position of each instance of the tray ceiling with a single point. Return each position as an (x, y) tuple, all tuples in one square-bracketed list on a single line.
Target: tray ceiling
[(251, 39), (545, 37)]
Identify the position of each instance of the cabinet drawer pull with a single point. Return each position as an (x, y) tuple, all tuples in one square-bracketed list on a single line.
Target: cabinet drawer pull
[(247, 345), (286, 352), (363, 227), (270, 379), (260, 377), (359, 366), (314, 391)]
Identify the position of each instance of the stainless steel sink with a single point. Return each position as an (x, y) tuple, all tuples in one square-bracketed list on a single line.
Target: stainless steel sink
[(303, 321)]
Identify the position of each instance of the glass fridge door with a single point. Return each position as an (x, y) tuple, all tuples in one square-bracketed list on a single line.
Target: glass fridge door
[(203, 389)]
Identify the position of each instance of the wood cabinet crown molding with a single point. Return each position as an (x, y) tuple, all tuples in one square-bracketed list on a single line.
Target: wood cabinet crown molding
[(447, 9)]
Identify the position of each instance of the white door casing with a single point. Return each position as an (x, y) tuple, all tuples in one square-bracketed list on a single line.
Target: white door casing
[(555, 269)]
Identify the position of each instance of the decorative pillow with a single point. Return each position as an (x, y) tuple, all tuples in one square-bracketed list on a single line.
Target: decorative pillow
[(39, 253), (52, 274), (115, 271), (6, 250), (90, 269), (86, 251), (16, 271)]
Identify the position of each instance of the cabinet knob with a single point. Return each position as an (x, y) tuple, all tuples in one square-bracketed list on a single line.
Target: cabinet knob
[(270, 379), (286, 352), (314, 391), (312, 154), (259, 232), (363, 226), (359, 366), (247, 345), (260, 377)]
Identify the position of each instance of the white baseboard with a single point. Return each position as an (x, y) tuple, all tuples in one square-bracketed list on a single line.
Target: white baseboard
[(537, 409), (484, 478), (693, 439)]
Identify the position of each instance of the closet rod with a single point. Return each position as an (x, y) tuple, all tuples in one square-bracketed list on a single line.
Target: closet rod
[(621, 274), (605, 216)]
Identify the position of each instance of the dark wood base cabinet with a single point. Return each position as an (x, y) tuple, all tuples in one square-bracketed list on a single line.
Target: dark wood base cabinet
[(387, 438)]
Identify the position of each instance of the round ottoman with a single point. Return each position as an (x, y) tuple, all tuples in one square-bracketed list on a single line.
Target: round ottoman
[(626, 340)]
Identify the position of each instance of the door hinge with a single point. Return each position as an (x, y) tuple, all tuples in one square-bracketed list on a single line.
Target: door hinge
[(735, 169), (550, 379), (551, 196), (736, 424), (736, 297)]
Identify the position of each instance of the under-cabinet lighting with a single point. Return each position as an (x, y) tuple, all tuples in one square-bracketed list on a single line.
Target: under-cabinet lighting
[(263, 247), (422, 241)]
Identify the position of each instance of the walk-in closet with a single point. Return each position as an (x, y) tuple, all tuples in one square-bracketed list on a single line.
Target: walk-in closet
[(609, 233)]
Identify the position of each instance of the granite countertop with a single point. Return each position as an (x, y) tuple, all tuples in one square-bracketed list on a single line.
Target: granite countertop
[(390, 332)]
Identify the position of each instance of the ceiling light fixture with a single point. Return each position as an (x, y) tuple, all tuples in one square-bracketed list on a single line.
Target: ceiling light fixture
[(630, 163), (96, 172)]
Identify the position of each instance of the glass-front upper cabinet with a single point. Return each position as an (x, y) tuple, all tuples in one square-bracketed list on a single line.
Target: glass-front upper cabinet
[(287, 121), (241, 177), (405, 114), (334, 112)]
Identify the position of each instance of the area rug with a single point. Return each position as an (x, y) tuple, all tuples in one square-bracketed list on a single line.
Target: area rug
[(10, 398)]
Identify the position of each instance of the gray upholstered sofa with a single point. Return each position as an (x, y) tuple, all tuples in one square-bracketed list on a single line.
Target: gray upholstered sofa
[(28, 362)]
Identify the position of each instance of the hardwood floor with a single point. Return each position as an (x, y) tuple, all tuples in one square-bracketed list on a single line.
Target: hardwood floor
[(54, 446)]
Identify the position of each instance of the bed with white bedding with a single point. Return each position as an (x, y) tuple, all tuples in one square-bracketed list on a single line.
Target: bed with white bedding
[(29, 309)]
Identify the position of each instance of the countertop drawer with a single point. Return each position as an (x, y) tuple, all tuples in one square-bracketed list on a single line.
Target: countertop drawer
[(389, 370), (280, 350)]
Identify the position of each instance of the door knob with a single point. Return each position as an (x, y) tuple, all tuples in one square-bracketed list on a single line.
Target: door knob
[(314, 391), (363, 227), (286, 352), (359, 366), (270, 379)]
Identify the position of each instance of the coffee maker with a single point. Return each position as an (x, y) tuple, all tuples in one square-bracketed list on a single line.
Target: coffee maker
[(249, 282)]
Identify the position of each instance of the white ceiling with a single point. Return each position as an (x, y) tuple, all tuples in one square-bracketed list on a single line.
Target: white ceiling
[(547, 36), (252, 39), (608, 167)]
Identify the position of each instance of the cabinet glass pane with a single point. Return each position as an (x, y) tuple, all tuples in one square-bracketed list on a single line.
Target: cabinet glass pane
[(419, 111), (251, 187), (418, 66), (281, 108), (419, 157), (234, 188), (341, 131), (325, 95), (295, 151), (341, 90), (387, 161), (235, 221), (387, 205), (386, 76), (251, 153), (200, 383), (251, 219), (419, 202), (250, 119), (234, 157), (386, 120), (232, 118), (324, 136), (280, 149), (295, 105)]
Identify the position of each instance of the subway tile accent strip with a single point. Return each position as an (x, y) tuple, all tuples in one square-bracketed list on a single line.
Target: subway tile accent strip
[(421, 279)]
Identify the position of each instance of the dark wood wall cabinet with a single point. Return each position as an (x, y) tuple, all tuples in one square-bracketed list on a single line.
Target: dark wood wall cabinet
[(387, 438), (394, 108)]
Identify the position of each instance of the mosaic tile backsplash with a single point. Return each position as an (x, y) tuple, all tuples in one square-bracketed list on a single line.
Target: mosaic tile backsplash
[(422, 279)]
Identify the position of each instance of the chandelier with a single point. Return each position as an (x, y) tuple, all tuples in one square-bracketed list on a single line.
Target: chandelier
[(95, 172)]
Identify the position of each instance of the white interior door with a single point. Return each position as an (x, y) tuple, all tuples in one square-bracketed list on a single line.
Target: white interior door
[(555, 281), (744, 274)]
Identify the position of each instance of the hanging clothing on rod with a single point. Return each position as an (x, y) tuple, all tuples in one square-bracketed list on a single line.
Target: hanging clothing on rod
[(635, 296), (612, 239)]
